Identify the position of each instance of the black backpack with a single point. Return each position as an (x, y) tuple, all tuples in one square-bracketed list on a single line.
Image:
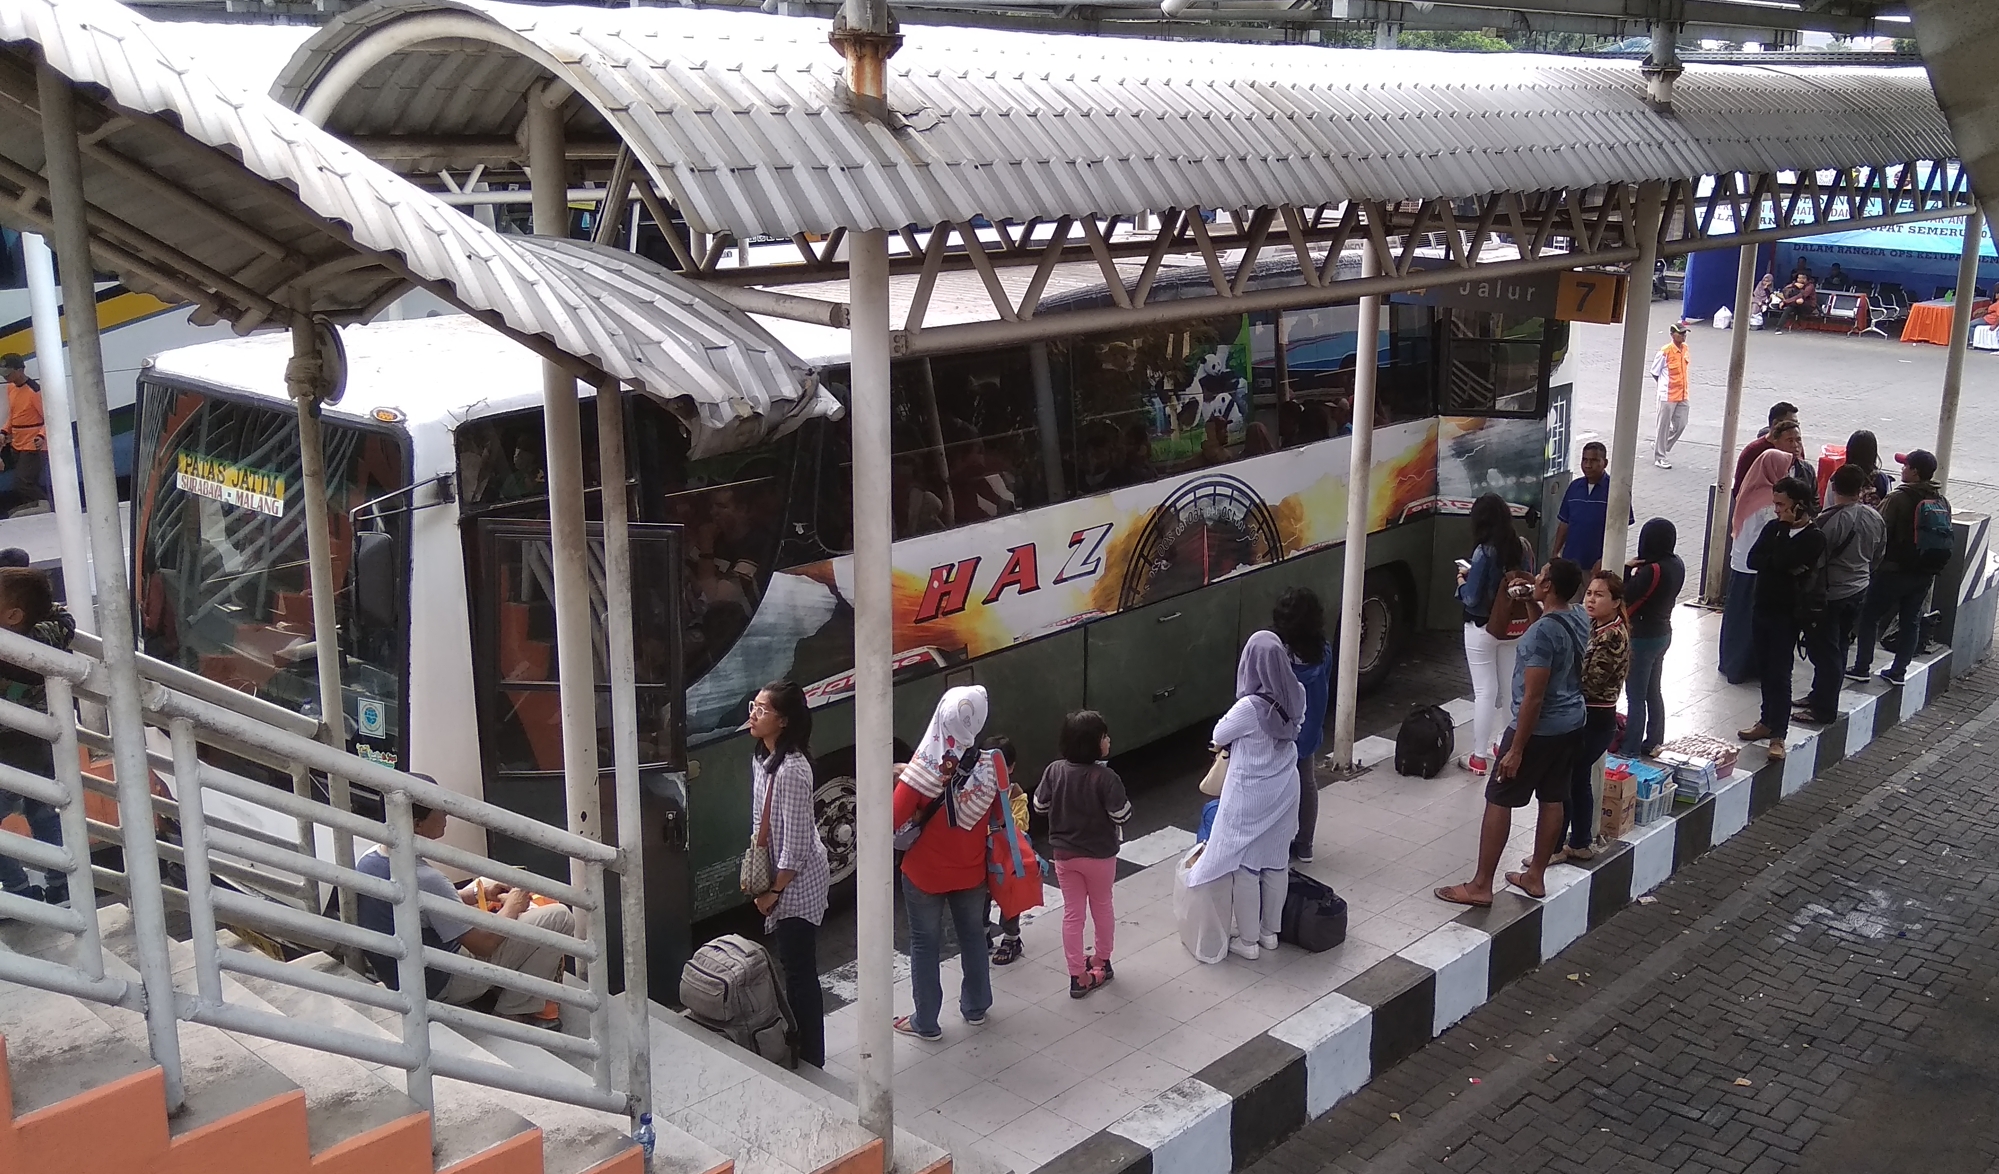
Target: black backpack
[(1425, 742)]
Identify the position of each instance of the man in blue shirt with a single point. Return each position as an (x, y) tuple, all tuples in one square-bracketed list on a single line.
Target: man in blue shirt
[(1538, 752), (1585, 508)]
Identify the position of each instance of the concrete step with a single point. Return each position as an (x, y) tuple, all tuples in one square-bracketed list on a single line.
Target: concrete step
[(776, 1120)]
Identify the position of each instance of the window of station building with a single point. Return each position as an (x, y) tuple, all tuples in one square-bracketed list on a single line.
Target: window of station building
[(1321, 350), (1495, 364), (1166, 399)]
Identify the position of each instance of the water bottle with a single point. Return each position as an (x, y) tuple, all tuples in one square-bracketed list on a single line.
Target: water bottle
[(645, 1136)]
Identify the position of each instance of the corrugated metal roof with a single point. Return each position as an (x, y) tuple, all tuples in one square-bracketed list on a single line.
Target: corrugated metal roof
[(743, 119), (319, 207)]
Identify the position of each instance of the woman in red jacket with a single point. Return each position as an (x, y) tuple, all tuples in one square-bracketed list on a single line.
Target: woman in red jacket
[(945, 798)]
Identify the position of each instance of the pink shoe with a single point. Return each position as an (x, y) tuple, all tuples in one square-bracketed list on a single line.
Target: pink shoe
[(1477, 764)]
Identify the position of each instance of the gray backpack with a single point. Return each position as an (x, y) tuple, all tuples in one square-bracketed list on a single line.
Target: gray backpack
[(731, 986)]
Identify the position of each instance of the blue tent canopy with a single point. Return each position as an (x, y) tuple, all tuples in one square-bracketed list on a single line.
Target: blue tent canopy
[(1921, 257)]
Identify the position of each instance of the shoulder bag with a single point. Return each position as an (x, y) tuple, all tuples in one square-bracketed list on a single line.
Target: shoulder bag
[(755, 876), (1218, 772)]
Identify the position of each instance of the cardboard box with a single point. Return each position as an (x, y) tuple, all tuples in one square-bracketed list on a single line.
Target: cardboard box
[(1620, 803)]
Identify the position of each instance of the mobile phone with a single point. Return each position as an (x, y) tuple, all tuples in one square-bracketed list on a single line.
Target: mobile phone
[(1464, 566)]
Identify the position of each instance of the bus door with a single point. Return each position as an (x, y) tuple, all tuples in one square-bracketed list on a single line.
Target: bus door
[(520, 713)]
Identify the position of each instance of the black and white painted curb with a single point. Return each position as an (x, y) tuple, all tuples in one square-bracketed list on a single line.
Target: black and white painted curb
[(1236, 1109)]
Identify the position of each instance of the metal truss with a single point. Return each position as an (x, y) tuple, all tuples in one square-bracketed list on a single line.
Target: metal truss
[(1413, 241)]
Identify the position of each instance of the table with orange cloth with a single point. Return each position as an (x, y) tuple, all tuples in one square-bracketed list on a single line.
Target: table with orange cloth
[(1930, 321)]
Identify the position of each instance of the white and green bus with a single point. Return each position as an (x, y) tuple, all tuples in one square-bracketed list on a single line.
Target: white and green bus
[(1091, 521)]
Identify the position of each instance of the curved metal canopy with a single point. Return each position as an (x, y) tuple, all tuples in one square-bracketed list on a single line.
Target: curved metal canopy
[(200, 193), (743, 120)]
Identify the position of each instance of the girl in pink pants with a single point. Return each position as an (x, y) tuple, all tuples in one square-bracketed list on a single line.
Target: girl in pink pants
[(1086, 807)]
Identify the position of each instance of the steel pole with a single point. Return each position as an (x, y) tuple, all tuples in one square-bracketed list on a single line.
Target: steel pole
[(1631, 372), (78, 586), (1715, 590), (302, 378), (562, 425), (1360, 481), (625, 735), (1960, 334), (64, 169), (874, 698)]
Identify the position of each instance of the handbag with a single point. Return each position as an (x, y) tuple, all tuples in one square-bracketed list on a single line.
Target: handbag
[(1218, 772), (1013, 875), (755, 875)]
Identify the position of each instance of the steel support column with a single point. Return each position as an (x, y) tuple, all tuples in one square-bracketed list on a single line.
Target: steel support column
[(569, 550), (865, 34), (43, 305), (1360, 481), (71, 239), (1715, 590), (1631, 372), (1960, 335)]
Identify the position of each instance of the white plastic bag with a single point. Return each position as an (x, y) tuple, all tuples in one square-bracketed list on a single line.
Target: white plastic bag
[(1724, 318), (1202, 911)]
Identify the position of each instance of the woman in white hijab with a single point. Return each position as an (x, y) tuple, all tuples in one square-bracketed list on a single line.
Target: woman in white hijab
[(1251, 840), (944, 797)]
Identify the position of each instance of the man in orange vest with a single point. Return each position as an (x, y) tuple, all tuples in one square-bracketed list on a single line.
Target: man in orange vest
[(26, 438), (1669, 372)]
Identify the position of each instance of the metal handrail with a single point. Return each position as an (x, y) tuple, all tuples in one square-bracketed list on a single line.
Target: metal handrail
[(197, 714)]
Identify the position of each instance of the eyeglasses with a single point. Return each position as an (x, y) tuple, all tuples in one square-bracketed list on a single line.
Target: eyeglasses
[(758, 707)]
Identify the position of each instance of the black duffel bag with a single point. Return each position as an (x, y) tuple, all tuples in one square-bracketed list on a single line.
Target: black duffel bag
[(1315, 917)]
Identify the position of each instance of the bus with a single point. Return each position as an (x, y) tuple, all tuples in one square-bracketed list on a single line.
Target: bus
[(1096, 520)]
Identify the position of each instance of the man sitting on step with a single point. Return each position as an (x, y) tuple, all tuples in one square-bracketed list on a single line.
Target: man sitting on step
[(448, 933)]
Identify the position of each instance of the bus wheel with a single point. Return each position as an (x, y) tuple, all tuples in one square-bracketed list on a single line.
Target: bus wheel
[(1381, 615), (833, 806)]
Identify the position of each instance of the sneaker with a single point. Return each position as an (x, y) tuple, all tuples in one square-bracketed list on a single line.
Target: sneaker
[(56, 892), (976, 1018), (1269, 941), (1476, 764), (1661, 463), (1893, 676), (1301, 855), (30, 893), (1248, 951), (1080, 985), (1858, 676), (1102, 967)]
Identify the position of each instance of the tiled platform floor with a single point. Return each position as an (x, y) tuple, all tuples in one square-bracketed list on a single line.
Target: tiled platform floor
[(1048, 1071)]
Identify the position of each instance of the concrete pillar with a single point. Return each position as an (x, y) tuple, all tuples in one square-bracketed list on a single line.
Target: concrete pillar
[(1631, 371)]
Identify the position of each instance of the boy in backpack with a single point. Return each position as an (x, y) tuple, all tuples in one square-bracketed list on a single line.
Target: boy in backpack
[(1009, 949), (28, 608), (1917, 519)]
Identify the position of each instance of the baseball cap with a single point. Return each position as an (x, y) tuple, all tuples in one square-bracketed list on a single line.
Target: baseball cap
[(1922, 460), (1678, 328), (13, 362)]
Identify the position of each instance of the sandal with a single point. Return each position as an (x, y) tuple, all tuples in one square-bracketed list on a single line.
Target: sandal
[(1101, 967), (905, 1025), (1461, 895), (1007, 952), (1518, 881), (1082, 984)]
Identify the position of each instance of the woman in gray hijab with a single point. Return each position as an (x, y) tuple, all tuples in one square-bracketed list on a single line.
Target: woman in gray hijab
[(1251, 840)]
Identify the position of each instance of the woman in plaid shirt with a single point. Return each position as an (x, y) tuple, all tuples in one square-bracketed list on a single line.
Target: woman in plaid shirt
[(781, 723)]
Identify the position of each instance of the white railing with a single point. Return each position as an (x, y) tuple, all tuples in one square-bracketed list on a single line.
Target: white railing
[(241, 876)]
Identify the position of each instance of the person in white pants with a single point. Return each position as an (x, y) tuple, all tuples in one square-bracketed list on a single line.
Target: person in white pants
[(1669, 374), (1498, 550)]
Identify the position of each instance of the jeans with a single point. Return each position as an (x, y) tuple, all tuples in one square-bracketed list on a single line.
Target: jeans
[(1491, 665), (797, 942), (45, 823), (1645, 693), (1308, 807), (1825, 643), (1086, 887), (1598, 729), (1776, 653), (1900, 593), (967, 910)]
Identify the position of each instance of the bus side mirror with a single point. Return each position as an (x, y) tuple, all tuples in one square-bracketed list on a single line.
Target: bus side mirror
[(375, 596)]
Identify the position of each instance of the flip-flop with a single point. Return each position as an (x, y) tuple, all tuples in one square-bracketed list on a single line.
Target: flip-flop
[(1516, 879), (1456, 895), (905, 1025)]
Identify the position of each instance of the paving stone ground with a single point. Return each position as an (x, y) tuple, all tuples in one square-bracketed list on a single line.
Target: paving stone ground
[(1817, 994)]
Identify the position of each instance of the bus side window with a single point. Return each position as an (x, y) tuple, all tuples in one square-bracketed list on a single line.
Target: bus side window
[(1164, 400), (1494, 364)]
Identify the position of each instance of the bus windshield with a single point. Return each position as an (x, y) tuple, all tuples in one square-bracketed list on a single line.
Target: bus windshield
[(222, 567)]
